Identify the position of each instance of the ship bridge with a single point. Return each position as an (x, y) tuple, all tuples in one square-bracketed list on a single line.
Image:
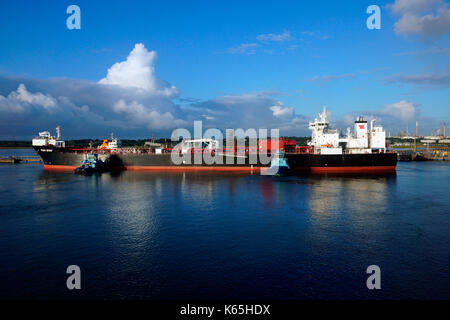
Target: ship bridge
[(362, 140)]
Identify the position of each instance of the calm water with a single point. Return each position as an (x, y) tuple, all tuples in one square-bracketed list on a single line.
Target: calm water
[(187, 236)]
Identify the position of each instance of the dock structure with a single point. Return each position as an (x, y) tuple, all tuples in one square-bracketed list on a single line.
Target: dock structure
[(20, 159), (432, 148), (29, 158), (423, 155), (9, 160), (440, 155)]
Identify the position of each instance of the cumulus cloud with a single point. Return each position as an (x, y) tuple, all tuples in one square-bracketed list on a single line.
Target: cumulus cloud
[(281, 112), (391, 116), (38, 98), (87, 109), (403, 110), (252, 110), (424, 18), (140, 115), (412, 6), (130, 100), (24, 112), (138, 71), (21, 99), (426, 26), (9, 105)]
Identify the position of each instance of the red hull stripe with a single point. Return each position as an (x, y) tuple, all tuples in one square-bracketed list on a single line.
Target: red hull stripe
[(59, 167), (240, 169), (163, 168), (349, 169), (193, 168)]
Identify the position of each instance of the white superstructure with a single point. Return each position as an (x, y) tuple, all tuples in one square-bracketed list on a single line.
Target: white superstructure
[(362, 140), (114, 143), (45, 139), (206, 143)]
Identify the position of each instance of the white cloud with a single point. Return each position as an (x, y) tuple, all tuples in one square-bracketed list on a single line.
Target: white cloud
[(277, 37), (314, 34), (412, 6), (428, 25), (392, 116), (425, 18), (281, 112), (264, 41), (10, 105), (441, 79), (83, 109), (87, 109), (245, 48), (328, 78), (138, 71), (250, 110), (348, 120), (436, 50), (21, 99), (24, 113), (402, 110), (38, 99), (152, 119)]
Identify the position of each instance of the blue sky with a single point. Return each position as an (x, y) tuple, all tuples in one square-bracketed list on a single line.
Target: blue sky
[(231, 62)]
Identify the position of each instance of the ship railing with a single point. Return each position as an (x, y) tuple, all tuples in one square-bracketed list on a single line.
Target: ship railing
[(237, 150)]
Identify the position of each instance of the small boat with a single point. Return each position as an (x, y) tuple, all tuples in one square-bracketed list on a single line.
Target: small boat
[(419, 157), (10, 160), (278, 165), (91, 164)]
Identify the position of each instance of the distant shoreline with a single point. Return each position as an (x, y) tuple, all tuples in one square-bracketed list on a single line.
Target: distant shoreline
[(11, 144)]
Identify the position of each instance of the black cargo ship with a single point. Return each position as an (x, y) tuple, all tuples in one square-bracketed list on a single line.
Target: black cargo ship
[(70, 158), (362, 151)]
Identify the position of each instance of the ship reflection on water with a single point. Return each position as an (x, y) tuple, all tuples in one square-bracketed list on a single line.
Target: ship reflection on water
[(367, 195), (203, 183), (178, 235), (325, 197)]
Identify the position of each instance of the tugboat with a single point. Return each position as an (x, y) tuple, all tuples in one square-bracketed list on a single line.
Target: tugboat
[(278, 164), (91, 164)]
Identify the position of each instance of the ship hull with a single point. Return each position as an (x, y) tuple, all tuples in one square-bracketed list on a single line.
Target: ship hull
[(68, 159), (335, 163)]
